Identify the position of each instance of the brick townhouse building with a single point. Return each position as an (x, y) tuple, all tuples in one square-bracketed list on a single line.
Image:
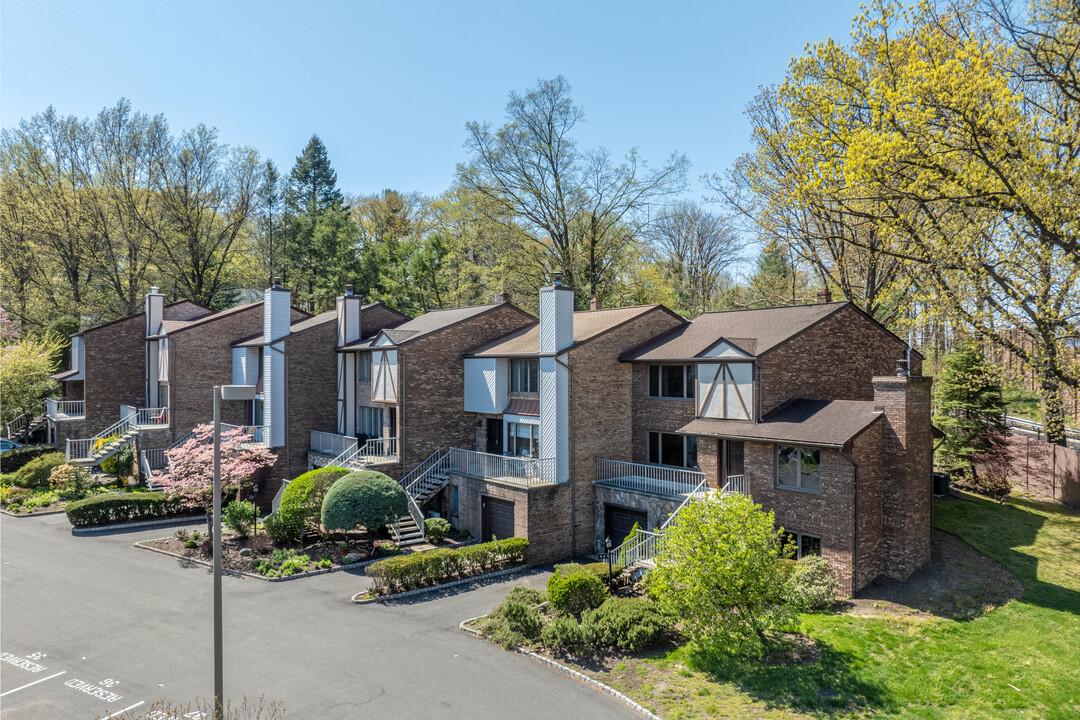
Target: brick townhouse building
[(296, 370), (400, 392), (587, 422), (149, 376)]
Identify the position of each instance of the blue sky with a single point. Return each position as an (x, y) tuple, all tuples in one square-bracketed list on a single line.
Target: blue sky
[(389, 86)]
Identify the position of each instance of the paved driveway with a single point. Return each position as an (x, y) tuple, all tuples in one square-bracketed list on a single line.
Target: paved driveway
[(90, 626)]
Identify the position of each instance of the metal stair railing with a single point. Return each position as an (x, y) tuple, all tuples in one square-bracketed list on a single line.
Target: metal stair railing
[(645, 544), (157, 458), (435, 463), (16, 427), (119, 432)]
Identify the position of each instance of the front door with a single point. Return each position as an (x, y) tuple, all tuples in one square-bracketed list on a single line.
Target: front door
[(734, 453), (494, 436), (619, 520), (497, 518), (393, 421)]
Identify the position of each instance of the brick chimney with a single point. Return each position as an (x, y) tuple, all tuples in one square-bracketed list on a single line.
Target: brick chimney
[(908, 464), (824, 295), (594, 304), (504, 296)]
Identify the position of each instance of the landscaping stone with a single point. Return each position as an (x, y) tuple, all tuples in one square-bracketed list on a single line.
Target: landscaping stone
[(351, 558)]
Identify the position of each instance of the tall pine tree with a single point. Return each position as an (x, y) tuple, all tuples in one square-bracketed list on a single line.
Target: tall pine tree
[(321, 249), (970, 410)]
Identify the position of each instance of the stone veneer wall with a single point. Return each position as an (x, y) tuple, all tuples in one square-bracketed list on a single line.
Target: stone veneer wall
[(658, 508)]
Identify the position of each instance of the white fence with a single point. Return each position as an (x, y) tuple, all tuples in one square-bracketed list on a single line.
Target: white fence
[(331, 444), (59, 409), (518, 470)]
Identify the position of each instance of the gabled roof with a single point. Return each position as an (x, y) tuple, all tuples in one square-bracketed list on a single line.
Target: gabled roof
[(756, 331), (179, 310), (820, 423), (431, 322), (172, 327), (308, 323), (588, 324)]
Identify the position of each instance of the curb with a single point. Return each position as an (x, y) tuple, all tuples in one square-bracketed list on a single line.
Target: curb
[(256, 576), (144, 523), (420, 591), (31, 514), (630, 703)]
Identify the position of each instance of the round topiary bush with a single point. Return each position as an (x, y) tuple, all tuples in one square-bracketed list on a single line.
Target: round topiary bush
[(363, 499), (306, 493), (572, 589), (435, 529)]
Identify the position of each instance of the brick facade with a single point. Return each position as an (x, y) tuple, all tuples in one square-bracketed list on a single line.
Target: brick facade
[(832, 360)]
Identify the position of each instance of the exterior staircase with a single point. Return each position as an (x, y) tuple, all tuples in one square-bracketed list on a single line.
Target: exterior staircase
[(422, 484), (91, 451)]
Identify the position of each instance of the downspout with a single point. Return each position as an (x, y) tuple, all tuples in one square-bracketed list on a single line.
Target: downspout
[(855, 545), (570, 430)]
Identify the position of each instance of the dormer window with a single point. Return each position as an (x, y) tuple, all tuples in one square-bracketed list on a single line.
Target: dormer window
[(525, 376), (671, 381)]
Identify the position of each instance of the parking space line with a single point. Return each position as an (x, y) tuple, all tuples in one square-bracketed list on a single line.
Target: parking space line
[(141, 702), (33, 683)]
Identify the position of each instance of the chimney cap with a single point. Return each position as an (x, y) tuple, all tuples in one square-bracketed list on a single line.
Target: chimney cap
[(154, 290), (557, 279), (348, 290), (276, 285)]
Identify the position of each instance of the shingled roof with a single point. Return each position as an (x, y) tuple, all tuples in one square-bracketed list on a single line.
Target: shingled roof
[(588, 324), (755, 331), (432, 321), (821, 423)]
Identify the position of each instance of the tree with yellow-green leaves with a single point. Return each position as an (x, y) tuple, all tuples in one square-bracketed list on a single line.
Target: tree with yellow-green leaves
[(26, 369), (954, 132)]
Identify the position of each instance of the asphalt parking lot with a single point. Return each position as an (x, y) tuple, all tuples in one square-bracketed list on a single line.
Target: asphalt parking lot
[(91, 627)]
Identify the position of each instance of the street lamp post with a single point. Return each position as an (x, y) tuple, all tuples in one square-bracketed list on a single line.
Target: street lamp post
[(221, 392), (607, 546)]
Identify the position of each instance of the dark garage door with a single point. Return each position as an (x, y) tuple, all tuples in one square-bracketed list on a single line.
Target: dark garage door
[(619, 520), (498, 518)]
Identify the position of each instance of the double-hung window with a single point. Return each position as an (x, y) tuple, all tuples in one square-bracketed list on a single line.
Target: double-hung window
[(673, 449), (805, 545), (525, 376), (798, 468), (363, 371), (671, 381), (523, 440)]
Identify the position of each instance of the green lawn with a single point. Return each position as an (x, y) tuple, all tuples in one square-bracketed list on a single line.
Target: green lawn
[(1019, 661)]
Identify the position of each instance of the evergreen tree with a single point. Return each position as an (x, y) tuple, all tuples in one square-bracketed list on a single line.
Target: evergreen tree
[(320, 252), (969, 409)]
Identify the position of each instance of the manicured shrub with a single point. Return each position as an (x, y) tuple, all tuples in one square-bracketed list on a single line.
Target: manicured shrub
[(15, 458), (71, 481), (104, 509), (435, 529), (600, 570), (564, 633), (240, 516), (573, 590), (406, 572), (363, 499), (307, 492), (630, 624), (36, 472), (527, 595), (813, 583), (285, 526)]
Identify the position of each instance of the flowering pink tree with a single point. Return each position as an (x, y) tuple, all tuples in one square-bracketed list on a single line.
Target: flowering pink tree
[(191, 473)]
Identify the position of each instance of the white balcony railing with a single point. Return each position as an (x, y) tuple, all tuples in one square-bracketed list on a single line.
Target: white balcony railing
[(517, 470), (736, 484), (639, 477), (331, 444), (155, 417), (379, 449), (59, 409), (257, 434)]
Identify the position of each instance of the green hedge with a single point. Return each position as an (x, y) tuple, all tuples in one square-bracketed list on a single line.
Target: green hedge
[(36, 472), (572, 589), (122, 507), (406, 572), (14, 459)]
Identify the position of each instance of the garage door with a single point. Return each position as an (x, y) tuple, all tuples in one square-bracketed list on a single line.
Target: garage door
[(498, 516), (619, 520)]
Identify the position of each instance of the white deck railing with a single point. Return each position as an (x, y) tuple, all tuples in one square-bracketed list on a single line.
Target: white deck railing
[(155, 417), (525, 471), (16, 426), (258, 434), (59, 409), (640, 547), (641, 477), (332, 444), (737, 484)]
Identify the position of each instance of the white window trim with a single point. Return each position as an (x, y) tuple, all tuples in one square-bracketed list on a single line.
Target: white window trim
[(520, 420)]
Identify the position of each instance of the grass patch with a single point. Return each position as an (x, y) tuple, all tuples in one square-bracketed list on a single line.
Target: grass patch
[(1021, 660)]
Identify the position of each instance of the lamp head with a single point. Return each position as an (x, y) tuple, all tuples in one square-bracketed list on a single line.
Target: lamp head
[(237, 392)]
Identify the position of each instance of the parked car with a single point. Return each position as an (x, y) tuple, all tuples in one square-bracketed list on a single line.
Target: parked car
[(6, 445)]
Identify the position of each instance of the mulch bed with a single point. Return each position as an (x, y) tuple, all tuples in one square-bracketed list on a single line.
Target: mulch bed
[(959, 583), (359, 542)]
